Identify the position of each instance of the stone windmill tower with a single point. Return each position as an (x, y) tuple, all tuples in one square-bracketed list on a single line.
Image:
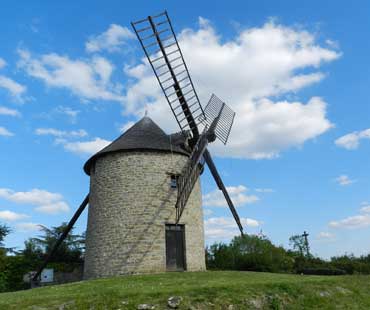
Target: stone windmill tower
[(133, 190), (145, 201)]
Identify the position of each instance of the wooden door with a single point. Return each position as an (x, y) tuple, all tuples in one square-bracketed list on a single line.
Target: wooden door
[(175, 247)]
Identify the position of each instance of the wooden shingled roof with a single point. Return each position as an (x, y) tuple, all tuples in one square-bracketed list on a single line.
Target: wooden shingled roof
[(145, 135)]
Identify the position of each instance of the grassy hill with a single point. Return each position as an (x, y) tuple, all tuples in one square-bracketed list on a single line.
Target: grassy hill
[(201, 290)]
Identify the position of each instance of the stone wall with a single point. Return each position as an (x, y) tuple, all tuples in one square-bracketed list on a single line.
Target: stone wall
[(130, 202)]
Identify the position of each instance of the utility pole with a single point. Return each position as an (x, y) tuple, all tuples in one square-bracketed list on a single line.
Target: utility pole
[(305, 235)]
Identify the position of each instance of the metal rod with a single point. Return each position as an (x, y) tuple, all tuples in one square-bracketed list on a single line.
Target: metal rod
[(158, 15), (173, 52), (183, 79), (152, 35), (182, 64), (140, 21), (163, 73), (156, 59), (166, 80), (151, 44), (173, 60), (161, 23), (168, 87), (166, 38), (169, 45), (143, 29)]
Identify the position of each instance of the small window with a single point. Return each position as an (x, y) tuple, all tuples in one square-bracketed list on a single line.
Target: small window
[(174, 181)]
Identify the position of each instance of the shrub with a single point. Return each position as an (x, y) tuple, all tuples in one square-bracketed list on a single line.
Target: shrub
[(323, 271), (251, 253)]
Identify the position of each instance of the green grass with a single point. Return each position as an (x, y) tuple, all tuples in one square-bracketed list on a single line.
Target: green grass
[(200, 290)]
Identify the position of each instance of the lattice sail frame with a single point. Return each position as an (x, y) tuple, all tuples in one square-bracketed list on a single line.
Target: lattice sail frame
[(217, 108), (159, 42), (173, 76), (190, 174)]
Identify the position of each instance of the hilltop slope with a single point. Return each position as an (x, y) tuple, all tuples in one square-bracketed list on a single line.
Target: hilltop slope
[(202, 290)]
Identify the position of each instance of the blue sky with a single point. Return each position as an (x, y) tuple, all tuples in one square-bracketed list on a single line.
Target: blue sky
[(72, 77)]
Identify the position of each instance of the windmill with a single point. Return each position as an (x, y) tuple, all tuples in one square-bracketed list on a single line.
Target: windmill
[(160, 45), (199, 127)]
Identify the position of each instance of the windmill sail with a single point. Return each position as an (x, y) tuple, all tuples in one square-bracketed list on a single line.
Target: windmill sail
[(217, 108), (160, 45), (162, 50), (190, 175), (221, 186), (222, 118)]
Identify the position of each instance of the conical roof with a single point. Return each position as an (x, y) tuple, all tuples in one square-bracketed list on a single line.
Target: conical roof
[(144, 135)]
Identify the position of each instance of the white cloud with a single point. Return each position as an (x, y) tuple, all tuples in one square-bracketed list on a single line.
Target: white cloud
[(237, 195), (344, 180), (331, 43), (353, 222), (88, 79), (256, 65), (86, 147), (28, 227), (356, 221), (15, 89), (7, 215), (324, 235), (103, 68), (351, 141), (264, 190), (60, 133), (45, 202), (72, 114), (5, 132), (222, 228), (365, 207), (53, 208), (9, 112), (2, 63), (111, 40)]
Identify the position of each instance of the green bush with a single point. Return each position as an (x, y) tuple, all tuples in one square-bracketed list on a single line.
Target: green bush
[(249, 253), (12, 270), (323, 271), (256, 253)]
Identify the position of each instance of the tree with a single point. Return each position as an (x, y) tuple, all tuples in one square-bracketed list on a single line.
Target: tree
[(249, 252), (69, 251), (300, 244), (259, 254), (32, 252), (4, 231), (220, 256)]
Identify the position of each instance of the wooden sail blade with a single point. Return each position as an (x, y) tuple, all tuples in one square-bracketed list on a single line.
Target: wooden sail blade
[(221, 186), (217, 108), (190, 175), (160, 45)]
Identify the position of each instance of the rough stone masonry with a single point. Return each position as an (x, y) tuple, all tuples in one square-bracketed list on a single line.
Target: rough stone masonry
[(131, 200)]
